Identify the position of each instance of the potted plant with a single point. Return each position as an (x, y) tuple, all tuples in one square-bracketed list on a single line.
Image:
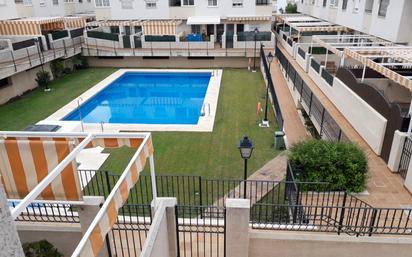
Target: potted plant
[(43, 79)]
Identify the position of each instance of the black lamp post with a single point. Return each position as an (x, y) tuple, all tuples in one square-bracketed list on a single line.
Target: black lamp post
[(265, 122), (41, 59), (245, 148), (256, 31)]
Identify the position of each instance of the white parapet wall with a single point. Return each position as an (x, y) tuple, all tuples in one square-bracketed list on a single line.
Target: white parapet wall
[(370, 124)]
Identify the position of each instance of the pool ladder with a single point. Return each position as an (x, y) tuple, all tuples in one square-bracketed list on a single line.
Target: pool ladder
[(80, 112), (203, 111)]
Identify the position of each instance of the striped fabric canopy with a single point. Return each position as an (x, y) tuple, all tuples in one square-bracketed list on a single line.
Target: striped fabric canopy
[(24, 162), (109, 23), (33, 26), (93, 240), (75, 22), (248, 18), (160, 27)]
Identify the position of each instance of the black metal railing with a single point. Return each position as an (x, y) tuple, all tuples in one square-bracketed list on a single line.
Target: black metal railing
[(405, 157), (270, 85), (327, 126), (46, 212), (262, 2), (129, 233), (200, 236)]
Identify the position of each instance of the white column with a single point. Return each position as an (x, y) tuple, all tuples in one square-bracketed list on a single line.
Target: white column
[(237, 227), (153, 176), (396, 150), (9, 238)]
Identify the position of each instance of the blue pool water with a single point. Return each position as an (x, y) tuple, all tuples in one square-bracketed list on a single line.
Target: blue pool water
[(147, 98)]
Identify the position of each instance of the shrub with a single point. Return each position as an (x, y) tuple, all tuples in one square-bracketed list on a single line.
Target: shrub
[(40, 249), (43, 79), (291, 8), (343, 165), (80, 62), (57, 67)]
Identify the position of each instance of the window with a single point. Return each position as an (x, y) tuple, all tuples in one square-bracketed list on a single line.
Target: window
[(262, 2), (18, 1), (383, 7), (324, 3), (27, 2), (212, 3), (237, 3), (175, 3), (151, 5), (188, 2), (356, 6), (3, 2), (5, 82), (334, 3), (126, 4), (369, 6), (42, 3), (102, 3), (196, 29), (55, 2), (344, 4)]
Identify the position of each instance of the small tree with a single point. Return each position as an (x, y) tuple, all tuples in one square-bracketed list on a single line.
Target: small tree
[(43, 79), (57, 67), (343, 165), (291, 8), (40, 249)]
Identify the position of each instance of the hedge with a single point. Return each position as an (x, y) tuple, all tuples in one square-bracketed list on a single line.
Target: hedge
[(343, 165)]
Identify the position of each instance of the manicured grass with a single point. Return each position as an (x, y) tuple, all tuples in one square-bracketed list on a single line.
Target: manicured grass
[(215, 155), (38, 105), (211, 155)]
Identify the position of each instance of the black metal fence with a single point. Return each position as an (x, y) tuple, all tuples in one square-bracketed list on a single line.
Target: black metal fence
[(270, 85), (405, 157), (127, 237), (46, 212), (327, 125), (200, 236)]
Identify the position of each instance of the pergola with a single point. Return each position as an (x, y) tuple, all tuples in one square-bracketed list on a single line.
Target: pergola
[(305, 23), (372, 52), (150, 27), (31, 26)]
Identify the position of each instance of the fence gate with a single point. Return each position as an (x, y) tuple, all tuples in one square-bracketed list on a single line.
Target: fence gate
[(200, 231), (405, 157)]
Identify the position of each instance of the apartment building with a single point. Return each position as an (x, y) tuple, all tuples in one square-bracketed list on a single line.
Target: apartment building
[(10, 9), (387, 19)]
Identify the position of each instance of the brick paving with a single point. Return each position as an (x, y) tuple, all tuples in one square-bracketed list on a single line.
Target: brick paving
[(385, 189)]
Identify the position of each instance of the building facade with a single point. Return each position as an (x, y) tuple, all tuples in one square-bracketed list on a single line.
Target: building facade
[(387, 19)]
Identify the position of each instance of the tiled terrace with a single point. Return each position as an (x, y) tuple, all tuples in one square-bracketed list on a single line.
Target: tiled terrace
[(385, 189)]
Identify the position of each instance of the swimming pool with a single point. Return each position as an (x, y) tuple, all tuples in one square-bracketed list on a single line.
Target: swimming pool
[(147, 98)]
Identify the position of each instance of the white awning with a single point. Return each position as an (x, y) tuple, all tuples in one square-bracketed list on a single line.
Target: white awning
[(199, 20)]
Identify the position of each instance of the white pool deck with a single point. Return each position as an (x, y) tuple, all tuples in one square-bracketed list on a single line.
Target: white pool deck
[(205, 123)]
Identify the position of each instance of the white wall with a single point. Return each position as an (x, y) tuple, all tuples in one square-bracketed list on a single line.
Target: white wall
[(394, 27), (370, 124), (8, 10), (201, 8)]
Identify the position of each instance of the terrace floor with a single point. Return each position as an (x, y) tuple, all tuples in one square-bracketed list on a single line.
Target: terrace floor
[(384, 187)]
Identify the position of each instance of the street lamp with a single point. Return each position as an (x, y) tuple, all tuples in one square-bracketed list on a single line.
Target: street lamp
[(256, 31), (265, 122), (245, 148)]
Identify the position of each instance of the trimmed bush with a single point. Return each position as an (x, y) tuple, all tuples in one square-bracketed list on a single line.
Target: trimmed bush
[(40, 249), (43, 79), (343, 165), (291, 8)]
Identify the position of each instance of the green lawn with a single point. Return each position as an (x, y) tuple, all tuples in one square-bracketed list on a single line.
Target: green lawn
[(207, 154)]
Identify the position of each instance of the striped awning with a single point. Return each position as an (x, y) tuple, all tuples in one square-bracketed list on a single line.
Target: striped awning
[(27, 161), (160, 27), (32, 26), (94, 237), (315, 28), (109, 23), (248, 18), (75, 22)]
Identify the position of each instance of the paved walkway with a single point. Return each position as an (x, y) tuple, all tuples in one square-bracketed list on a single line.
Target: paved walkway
[(384, 187)]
